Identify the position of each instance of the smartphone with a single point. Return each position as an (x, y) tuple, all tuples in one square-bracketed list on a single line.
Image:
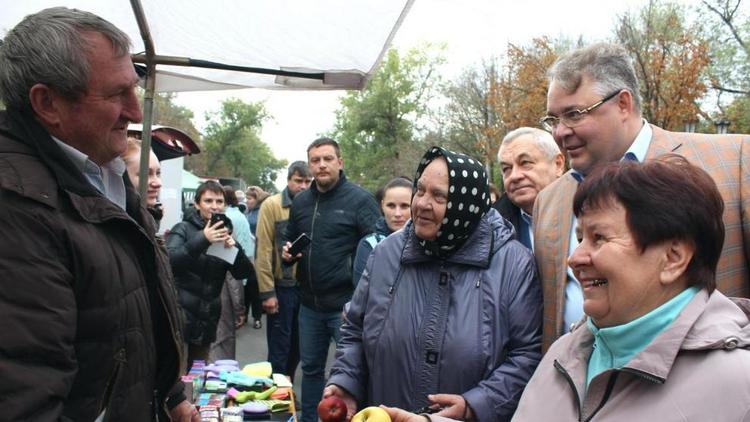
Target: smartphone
[(217, 216), (299, 244)]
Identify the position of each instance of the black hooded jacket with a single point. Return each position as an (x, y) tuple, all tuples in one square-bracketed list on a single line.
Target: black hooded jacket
[(200, 277)]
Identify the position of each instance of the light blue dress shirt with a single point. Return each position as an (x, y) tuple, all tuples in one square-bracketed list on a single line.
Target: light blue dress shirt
[(107, 179)]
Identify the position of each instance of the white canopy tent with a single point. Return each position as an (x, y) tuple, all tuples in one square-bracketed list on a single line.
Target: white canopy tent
[(336, 44), (200, 45)]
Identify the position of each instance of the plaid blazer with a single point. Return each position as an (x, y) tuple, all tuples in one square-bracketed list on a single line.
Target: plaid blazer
[(725, 157)]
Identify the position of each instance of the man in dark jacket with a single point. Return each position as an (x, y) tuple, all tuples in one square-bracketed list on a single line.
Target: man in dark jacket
[(335, 214), (529, 160), (199, 274), (92, 326)]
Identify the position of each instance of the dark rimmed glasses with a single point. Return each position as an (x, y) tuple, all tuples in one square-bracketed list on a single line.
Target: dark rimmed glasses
[(573, 118)]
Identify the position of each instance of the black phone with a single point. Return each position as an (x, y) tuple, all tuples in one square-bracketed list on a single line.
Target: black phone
[(217, 216), (299, 244)]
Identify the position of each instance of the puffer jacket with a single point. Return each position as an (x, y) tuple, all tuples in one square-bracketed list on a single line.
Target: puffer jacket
[(87, 304), (335, 220), (697, 370), (199, 278), (468, 325)]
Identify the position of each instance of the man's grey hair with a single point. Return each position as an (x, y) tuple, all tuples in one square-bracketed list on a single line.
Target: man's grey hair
[(608, 65), (50, 47), (542, 140)]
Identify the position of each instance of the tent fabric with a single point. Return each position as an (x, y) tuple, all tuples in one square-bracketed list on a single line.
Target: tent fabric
[(345, 40), (190, 181)]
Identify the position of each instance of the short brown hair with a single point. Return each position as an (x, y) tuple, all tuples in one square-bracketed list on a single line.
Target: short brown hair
[(209, 186), (325, 141), (664, 199), (230, 196)]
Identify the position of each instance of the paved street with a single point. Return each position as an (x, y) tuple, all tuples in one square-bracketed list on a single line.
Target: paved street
[(252, 347)]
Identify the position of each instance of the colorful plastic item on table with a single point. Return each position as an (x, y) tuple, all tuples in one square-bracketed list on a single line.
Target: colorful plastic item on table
[(258, 369), (255, 411), (211, 399), (241, 378), (280, 394), (281, 380), (276, 406), (245, 396), (232, 414), (227, 362), (220, 368), (215, 386)]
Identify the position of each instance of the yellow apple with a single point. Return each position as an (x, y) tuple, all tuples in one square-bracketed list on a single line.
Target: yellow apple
[(371, 414)]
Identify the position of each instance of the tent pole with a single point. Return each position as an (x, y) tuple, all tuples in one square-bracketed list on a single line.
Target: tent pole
[(148, 97)]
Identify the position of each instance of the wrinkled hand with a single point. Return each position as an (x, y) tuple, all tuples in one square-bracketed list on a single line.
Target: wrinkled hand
[(400, 415), (216, 233), (454, 406), (184, 412), (351, 403), (271, 305), (240, 321)]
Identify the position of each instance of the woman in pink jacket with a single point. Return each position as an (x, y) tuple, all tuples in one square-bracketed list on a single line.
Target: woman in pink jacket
[(659, 343)]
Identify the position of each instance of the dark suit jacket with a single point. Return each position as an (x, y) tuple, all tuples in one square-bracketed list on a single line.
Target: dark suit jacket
[(509, 211), (725, 157)]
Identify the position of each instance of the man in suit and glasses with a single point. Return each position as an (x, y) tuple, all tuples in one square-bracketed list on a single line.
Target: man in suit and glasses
[(594, 114)]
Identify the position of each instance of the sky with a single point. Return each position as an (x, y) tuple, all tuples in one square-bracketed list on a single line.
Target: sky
[(472, 30)]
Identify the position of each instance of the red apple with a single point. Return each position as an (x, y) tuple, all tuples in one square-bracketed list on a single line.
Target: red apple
[(332, 409)]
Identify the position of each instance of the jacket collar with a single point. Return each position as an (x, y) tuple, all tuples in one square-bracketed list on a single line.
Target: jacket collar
[(316, 192), (381, 227), (491, 233), (286, 199), (707, 322), (26, 130)]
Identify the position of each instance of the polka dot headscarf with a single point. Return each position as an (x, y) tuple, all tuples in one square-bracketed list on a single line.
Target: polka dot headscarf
[(468, 200)]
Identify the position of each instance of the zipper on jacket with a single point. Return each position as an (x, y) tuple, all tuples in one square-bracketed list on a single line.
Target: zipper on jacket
[(309, 255), (644, 375), (607, 393), (119, 359), (155, 405), (565, 374)]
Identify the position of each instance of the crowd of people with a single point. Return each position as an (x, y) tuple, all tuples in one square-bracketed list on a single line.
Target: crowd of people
[(613, 291)]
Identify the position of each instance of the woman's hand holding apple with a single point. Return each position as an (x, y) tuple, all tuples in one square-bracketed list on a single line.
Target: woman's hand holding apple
[(336, 391)]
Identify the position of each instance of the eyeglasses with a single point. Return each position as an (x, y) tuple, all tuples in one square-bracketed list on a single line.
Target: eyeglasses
[(573, 118)]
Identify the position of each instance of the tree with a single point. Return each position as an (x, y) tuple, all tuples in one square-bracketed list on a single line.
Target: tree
[(233, 147), (729, 71), (469, 120), (376, 127), (167, 113), (670, 59)]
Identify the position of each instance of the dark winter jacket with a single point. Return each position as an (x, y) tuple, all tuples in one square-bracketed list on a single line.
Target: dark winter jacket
[(365, 247), (335, 221), (88, 307), (509, 211), (199, 277), (468, 325)]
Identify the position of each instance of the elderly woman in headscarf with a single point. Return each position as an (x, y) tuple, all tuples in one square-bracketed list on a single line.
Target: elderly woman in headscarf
[(447, 314), (659, 342)]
